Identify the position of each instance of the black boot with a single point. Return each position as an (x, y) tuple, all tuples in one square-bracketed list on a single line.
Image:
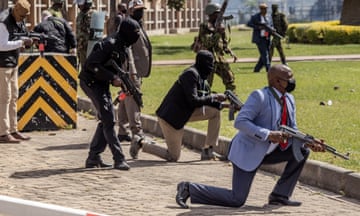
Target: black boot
[(96, 162)]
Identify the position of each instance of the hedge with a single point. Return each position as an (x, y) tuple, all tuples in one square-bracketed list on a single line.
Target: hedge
[(329, 32)]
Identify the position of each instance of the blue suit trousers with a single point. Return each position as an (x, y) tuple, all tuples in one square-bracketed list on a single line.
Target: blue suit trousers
[(242, 180)]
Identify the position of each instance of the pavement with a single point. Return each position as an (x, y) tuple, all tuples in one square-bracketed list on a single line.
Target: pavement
[(50, 169)]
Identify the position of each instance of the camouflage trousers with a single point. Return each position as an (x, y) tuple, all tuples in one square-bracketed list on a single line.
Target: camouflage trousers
[(223, 70), (82, 57), (276, 43)]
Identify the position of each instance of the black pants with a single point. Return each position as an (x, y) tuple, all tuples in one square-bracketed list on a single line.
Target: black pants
[(105, 133), (264, 60)]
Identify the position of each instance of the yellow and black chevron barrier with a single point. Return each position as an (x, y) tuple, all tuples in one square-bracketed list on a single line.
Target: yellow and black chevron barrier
[(47, 92)]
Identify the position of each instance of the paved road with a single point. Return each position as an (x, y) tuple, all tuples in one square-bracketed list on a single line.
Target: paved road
[(49, 169)]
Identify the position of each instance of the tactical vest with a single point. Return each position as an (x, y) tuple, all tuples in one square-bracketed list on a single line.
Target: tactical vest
[(10, 58)]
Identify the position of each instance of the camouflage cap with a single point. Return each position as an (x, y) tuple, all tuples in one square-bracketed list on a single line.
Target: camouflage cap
[(136, 4)]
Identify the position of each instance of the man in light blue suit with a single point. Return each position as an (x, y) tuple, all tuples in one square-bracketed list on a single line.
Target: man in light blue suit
[(258, 142)]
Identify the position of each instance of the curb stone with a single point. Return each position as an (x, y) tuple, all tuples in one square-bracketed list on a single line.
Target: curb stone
[(315, 173)]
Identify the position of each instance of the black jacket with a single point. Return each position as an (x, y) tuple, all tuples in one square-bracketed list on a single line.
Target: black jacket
[(60, 36), (97, 67), (187, 93), (10, 58)]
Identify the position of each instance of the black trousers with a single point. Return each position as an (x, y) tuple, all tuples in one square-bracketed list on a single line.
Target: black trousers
[(264, 60), (105, 132)]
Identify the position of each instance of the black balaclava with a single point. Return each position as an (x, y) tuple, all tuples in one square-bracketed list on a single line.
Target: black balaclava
[(138, 14), (128, 32), (204, 63)]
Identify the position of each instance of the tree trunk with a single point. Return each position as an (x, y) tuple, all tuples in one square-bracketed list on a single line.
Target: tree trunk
[(110, 24), (350, 14)]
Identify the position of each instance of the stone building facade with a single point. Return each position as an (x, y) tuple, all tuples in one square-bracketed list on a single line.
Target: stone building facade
[(158, 17)]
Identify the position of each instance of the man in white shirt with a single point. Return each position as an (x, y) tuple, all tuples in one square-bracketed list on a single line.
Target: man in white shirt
[(261, 37), (11, 21)]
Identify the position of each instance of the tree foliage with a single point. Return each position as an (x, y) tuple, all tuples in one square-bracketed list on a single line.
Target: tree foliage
[(176, 4)]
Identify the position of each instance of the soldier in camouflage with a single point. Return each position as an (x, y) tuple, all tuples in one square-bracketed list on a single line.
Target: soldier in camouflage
[(83, 20), (216, 41), (56, 8), (281, 25)]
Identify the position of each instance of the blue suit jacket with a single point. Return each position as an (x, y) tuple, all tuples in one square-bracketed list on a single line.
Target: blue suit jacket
[(254, 122), (253, 23)]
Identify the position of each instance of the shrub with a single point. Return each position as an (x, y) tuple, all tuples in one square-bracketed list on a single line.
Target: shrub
[(329, 32)]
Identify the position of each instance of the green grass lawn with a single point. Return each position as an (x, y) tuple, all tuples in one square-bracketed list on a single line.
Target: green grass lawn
[(168, 47), (337, 124)]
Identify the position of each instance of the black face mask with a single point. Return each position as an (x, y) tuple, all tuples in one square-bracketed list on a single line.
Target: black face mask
[(128, 32), (291, 85), (204, 63), (138, 14)]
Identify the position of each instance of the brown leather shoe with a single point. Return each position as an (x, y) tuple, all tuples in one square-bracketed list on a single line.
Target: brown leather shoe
[(8, 139), (20, 136)]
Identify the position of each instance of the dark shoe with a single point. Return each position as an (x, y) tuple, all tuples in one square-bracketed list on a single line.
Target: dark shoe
[(8, 139), (121, 165), (182, 194), (135, 146), (207, 154), (124, 138), (281, 200), (20, 136), (96, 163)]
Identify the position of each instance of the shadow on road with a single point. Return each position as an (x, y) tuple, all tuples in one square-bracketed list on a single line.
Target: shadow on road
[(245, 210)]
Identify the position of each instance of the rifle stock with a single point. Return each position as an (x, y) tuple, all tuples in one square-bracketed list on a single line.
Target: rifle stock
[(308, 138), (220, 16), (37, 36), (128, 84)]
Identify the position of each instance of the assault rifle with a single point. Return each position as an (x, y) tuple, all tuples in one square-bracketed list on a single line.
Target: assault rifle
[(220, 17), (235, 103), (271, 30), (37, 36), (128, 84), (308, 139), (219, 20)]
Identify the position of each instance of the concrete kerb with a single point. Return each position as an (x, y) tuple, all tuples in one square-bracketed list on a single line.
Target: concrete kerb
[(19, 207), (315, 173), (350, 57)]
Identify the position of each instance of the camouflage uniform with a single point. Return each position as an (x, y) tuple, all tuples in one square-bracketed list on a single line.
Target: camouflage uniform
[(281, 25), (217, 43), (82, 34), (56, 13)]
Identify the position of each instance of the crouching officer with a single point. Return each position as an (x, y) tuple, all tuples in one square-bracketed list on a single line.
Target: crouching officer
[(95, 79)]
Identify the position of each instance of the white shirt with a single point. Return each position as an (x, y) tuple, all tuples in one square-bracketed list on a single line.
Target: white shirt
[(273, 146), (5, 44), (262, 31)]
